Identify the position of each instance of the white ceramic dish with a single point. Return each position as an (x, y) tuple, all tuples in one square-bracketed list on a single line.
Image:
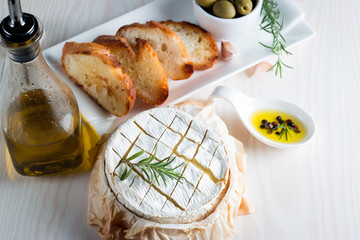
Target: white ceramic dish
[(296, 30), (250, 105), (233, 30)]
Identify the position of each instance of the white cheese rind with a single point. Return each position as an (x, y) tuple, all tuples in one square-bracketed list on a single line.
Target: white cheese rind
[(199, 151)]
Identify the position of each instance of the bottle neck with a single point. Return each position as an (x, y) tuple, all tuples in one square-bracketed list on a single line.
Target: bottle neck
[(24, 53)]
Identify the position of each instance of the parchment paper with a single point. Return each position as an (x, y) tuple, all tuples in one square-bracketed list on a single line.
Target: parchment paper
[(116, 222)]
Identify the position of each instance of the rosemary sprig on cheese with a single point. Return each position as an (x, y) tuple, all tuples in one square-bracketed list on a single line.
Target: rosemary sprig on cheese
[(271, 24), (151, 169)]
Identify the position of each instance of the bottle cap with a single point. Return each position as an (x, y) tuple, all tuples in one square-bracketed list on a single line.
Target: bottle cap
[(20, 33), (19, 28), (17, 33)]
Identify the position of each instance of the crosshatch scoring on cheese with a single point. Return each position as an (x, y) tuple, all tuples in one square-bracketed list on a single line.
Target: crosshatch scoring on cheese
[(196, 147)]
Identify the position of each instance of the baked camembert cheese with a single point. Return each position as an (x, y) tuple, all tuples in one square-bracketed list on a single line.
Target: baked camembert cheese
[(200, 150)]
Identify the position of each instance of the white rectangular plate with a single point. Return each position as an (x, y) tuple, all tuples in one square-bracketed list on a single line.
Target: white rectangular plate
[(295, 31)]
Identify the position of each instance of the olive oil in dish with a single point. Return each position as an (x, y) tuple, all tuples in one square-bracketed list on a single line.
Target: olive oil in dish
[(279, 126)]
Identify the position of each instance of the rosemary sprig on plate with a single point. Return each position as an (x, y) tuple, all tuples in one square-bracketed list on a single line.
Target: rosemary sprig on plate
[(271, 24), (151, 169)]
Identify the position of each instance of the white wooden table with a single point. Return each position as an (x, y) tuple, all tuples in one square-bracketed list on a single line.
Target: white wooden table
[(307, 193)]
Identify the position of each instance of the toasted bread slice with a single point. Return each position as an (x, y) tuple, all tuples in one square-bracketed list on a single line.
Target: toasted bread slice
[(99, 73), (168, 46), (199, 43), (143, 66)]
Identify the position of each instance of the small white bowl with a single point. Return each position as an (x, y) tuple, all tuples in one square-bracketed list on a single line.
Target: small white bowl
[(247, 106), (232, 30)]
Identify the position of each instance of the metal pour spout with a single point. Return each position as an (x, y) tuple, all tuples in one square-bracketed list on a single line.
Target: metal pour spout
[(15, 12), (20, 33)]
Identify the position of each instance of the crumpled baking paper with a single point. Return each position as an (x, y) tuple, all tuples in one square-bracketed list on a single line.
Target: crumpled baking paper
[(116, 222)]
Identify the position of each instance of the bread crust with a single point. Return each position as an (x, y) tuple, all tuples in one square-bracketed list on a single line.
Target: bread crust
[(204, 40), (91, 49), (163, 89), (115, 42), (142, 64), (102, 53), (152, 31)]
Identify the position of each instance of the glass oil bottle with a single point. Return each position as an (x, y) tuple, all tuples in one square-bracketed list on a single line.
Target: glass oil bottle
[(39, 114)]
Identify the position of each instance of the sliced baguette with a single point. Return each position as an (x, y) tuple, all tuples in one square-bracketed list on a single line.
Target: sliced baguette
[(168, 46), (199, 43), (99, 73), (143, 66)]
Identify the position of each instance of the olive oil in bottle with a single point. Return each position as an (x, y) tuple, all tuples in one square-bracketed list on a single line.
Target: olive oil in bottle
[(37, 142), (40, 117)]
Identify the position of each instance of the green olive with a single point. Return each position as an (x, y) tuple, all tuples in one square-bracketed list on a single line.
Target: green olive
[(224, 9), (205, 3), (243, 7), (232, 1)]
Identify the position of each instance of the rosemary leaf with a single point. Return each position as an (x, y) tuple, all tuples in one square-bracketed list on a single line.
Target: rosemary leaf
[(147, 175), (161, 164), (154, 176), (144, 161), (136, 155), (177, 166), (162, 177), (128, 173), (123, 175)]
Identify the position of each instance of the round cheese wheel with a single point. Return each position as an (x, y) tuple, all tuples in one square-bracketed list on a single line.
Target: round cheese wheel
[(196, 152)]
